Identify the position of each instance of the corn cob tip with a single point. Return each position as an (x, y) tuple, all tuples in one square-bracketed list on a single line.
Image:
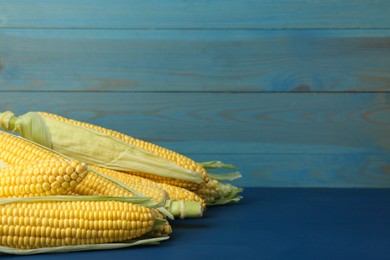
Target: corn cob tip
[(226, 194), (7, 120), (218, 193), (161, 228)]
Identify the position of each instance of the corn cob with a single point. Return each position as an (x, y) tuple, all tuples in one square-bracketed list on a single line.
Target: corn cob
[(96, 185), (116, 151), (146, 186), (44, 222), (167, 154), (214, 192), (207, 192), (32, 177), (54, 131), (182, 203)]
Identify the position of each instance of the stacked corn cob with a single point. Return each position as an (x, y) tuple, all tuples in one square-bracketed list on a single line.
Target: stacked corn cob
[(67, 163)]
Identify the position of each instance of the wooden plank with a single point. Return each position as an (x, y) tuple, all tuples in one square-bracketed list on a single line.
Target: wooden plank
[(179, 14), (308, 170), (188, 60), (229, 123)]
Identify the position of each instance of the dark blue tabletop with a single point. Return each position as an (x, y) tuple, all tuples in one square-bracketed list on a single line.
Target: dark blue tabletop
[(275, 223)]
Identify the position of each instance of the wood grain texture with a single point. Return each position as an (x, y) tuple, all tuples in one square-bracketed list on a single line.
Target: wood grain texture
[(229, 123), (275, 140), (182, 14), (296, 93), (222, 60)]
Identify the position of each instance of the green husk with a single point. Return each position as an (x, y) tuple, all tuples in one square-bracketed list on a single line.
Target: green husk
[(217, 165), (92, 147), (141, 201), (230, 176), (63, 249), (227, 193)]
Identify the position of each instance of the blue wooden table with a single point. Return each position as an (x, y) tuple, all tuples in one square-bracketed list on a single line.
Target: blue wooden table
[(275, 223)]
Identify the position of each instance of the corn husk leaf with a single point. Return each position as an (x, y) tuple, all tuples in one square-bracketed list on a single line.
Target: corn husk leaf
[(93, 147), (142, 201), (64, 249), (215, 165)]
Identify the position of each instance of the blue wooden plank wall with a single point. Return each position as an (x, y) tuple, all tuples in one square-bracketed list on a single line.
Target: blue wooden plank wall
[(295, 93)]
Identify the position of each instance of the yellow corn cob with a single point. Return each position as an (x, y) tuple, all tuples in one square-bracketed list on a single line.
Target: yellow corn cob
[(182, 204), (212, 192), (30, 180), (58, 133), (148, 187), (177, 158), (175, 182), (215, 192), (31, 225), (206, 192), (61, 136), (27, 176)]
